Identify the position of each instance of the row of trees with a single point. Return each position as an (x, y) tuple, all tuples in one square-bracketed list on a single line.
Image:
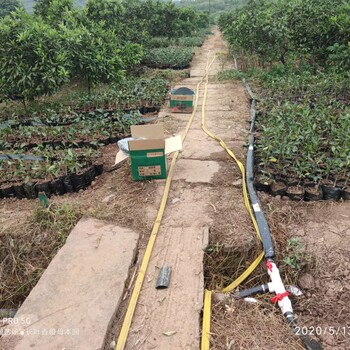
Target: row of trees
[(101, 42), (279, 30)]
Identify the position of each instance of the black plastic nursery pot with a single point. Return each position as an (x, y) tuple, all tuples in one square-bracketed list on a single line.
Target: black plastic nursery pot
[(263, 183), (43, 187), (90, 175), (331, 193), (105, 141), (30, 190), (57, 187), (20, 193), (7, 191), (296, 193), (342, 183), (346, 193), (309, 183), (278, 189), (62, 144), (98, 168), (292, 182), (149, 109), (64, 184), (114, 139), (78, 182), (68, 184), (314, 193)]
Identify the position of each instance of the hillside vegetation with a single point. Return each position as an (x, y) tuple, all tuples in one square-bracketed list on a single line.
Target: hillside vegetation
[(29, 4), (216, 7)]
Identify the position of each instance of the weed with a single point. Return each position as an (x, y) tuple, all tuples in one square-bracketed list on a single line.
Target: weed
[(26, 251), (295, 255)]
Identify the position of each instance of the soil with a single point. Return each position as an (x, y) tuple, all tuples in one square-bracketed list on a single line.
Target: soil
[(322, 227), (324, 230)]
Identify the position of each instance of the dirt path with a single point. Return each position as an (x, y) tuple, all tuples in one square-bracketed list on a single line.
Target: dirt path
[(203, 185)]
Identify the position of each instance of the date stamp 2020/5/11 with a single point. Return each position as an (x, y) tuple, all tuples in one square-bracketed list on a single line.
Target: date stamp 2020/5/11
[(343, 331)]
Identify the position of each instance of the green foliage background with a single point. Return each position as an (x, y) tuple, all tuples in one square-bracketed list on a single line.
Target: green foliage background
[(217, 7), (99, 43), (29, 4)]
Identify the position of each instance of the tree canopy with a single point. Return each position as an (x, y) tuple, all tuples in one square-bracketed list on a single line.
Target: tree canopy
[(99, 43), (7, 6)]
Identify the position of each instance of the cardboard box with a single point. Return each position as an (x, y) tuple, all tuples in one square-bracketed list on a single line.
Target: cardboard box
[(182, 100), (148, 151)]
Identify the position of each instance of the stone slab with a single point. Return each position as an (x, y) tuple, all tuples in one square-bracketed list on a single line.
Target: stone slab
[(79, 293), (200, 73), (196, 171)]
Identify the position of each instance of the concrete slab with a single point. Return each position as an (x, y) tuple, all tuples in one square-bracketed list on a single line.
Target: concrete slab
[(200, 73), (74, 302), (196, 171), (195, 148)]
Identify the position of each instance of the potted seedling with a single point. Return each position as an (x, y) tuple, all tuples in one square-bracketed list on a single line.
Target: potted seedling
[(346, 190), (53, 171), (6, 188), (330, 191), (19, 173), (263, 181), (40, 175)]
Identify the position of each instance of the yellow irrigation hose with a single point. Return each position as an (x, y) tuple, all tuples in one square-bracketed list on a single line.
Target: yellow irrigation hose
[(207, 300), (145, 261), (206, 320)]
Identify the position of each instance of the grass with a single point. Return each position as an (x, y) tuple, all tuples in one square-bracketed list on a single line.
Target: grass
[(240, 325), (235, 323), (229, 74), (26, 251)]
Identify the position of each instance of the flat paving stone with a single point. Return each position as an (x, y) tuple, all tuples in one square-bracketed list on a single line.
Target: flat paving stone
[(200, 73), (213, 107), (73, 304), (195, 171)]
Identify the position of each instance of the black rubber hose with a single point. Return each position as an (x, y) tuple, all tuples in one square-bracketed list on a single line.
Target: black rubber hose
[(309, 343), (252, 291), (255, 202), (20, 156)]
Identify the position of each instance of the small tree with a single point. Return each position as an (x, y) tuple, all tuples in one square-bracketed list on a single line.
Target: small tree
[(108, 13), (60, 12), (94, 55), (32, 60)]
